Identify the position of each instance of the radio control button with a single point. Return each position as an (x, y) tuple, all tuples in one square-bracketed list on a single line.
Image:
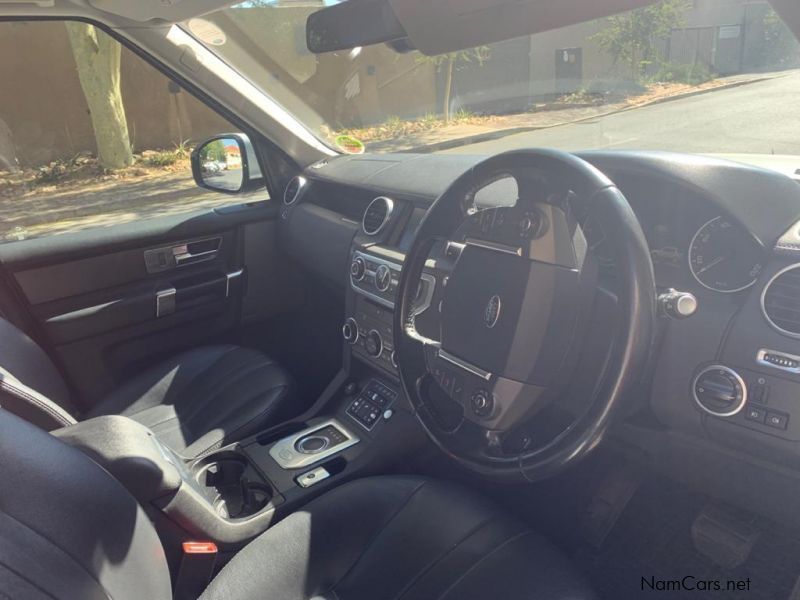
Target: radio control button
[(358, 268)]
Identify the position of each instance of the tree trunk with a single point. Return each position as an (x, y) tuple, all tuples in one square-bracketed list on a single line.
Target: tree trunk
[(97, 57), (448, 88)]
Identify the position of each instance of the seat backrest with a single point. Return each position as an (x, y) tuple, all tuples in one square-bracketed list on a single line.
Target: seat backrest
[(68, 529), (30, 384)]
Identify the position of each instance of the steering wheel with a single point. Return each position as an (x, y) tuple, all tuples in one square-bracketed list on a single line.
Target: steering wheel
[(514, 312)]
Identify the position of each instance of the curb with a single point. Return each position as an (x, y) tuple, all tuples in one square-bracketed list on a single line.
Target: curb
[(493, 135)]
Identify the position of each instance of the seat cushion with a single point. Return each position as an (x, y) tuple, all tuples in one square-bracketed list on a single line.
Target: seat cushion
[(398, 538), (203, 399)]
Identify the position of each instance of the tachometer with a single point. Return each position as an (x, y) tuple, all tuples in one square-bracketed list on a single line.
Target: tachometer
[(724, 257)]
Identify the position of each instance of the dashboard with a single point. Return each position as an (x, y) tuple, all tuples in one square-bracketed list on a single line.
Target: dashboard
[(725, 232)]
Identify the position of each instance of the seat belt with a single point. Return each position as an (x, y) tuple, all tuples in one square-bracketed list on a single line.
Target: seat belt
[(196, 570)]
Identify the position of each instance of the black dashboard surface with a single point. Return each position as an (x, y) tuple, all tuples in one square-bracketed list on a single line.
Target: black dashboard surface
[(674, 197)]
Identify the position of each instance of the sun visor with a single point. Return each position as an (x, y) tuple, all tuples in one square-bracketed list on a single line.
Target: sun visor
[(439, 26)]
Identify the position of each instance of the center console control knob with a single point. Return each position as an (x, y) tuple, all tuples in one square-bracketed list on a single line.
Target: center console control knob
[(358, 268), (383, 278), (350, 330), (374, 343)]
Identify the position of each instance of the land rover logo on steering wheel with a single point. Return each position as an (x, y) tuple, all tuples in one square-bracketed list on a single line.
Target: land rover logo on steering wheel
[(492, 312)]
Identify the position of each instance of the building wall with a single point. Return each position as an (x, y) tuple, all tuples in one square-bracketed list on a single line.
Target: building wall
[(42, 103)]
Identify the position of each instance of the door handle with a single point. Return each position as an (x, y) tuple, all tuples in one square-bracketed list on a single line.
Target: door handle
[(184, 257), (196, 251)]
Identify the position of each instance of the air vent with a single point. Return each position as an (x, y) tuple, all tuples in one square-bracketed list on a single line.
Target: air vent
[(781, 301), (292, 191), (377, 215)]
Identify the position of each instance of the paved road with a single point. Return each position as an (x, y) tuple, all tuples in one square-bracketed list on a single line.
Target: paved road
[(759, 118)]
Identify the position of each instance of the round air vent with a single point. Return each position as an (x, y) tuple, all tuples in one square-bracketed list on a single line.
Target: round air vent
[(292, 191), (781, 301), (377, 215)]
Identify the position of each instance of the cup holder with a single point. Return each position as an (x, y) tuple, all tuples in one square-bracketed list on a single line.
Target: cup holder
[(233, 486)]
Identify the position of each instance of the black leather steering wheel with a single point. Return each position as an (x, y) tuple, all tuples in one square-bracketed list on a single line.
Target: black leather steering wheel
[(513, 312)]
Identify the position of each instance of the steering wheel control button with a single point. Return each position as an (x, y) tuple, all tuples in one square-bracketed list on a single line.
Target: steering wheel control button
[(312, 444), (371, 404), (719, 391), (482, 403)]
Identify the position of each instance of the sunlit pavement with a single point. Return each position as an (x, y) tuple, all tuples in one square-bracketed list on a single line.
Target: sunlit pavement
[(758, 118)]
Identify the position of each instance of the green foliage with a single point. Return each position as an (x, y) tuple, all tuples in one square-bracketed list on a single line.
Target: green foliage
[(164, 158), (776, 47), (479, 55), (215, 151), (429, 120), (631, 37), (679, 73), (182, 149)]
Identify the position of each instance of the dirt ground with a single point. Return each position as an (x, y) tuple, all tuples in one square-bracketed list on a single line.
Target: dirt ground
[(83, 200)]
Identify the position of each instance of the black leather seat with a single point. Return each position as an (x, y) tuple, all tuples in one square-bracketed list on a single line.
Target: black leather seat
[(373, 539), (398, 538), (195, 402)]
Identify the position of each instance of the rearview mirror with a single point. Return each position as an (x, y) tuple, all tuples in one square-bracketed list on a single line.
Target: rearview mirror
[(227, 163), (350, 24)]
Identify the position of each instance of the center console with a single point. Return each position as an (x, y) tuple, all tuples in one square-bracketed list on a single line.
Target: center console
[(373, 281)]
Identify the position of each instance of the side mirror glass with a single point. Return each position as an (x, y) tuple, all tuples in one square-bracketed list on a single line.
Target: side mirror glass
[(226, 163)]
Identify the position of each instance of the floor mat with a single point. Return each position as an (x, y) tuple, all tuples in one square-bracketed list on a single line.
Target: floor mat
[(650, 552), (651, 540)]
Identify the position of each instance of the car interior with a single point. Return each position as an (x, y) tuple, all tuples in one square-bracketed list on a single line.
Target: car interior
[(524, 374)]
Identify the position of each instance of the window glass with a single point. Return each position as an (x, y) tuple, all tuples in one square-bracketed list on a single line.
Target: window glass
[(628, 81), (93, 136)]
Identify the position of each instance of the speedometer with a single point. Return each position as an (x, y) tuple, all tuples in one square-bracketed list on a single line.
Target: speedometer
[(724, 257)]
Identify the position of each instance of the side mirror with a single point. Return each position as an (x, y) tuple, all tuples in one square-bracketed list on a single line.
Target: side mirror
[(227, 163)]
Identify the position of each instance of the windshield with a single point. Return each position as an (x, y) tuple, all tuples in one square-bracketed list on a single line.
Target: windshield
[(712, 76)]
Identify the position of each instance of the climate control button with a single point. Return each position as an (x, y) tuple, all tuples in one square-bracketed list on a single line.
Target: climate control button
[(383, 278), (374, 343)]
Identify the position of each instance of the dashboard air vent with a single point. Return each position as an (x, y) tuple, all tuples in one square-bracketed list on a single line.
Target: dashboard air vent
[(292, 191), (377, 215), (781, 301)]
